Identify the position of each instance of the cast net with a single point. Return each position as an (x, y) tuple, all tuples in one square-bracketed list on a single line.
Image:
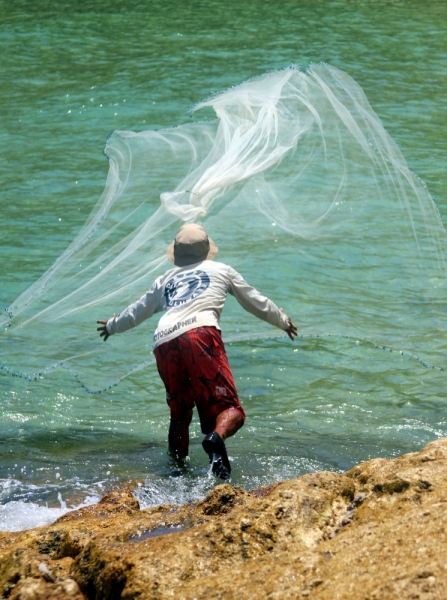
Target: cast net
[(304, 192)]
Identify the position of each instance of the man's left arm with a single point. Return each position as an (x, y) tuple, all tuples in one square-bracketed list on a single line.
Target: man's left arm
[(260, 306)]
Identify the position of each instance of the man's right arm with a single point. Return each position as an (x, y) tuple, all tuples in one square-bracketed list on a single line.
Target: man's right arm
[(150, 303)]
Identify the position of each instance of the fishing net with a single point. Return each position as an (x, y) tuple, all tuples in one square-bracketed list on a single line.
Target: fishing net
[(304, 192)]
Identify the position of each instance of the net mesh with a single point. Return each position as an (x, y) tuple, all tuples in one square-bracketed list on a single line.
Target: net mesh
[(304, 192)]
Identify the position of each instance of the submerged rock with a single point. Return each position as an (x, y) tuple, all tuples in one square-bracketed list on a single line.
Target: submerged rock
[(375, 532)]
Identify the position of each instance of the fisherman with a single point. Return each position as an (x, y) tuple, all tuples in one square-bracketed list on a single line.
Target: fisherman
[(188, 347)]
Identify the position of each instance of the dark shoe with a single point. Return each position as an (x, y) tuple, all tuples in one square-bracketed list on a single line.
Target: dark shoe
[(214, 446)]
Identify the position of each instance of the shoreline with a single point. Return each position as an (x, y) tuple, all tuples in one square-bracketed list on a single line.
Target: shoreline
[(376, 531)]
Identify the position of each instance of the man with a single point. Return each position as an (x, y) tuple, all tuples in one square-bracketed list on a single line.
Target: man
[(188, 347)]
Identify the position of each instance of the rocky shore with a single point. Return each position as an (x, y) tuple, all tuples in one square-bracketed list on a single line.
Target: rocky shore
[(375, 532)]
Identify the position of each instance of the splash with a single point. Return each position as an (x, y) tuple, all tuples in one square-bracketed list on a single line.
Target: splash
[(296, 174), (22, 514)]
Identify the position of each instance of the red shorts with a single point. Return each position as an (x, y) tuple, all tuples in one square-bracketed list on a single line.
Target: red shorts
[(195, 370)]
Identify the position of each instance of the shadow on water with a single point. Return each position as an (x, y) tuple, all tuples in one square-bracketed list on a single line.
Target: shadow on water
[(71, 459)]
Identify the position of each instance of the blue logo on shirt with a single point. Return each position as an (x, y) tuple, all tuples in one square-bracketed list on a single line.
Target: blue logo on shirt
[(185, 286)]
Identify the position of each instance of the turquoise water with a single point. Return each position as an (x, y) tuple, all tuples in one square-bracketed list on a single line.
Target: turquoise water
[(72, 75)]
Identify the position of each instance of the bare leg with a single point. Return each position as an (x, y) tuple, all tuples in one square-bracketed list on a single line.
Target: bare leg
[(179, 435), (228, 422)]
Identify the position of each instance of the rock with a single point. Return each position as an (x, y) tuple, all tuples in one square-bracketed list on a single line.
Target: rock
[(221, 500), (36, 589), (375, 532), (119, 501)]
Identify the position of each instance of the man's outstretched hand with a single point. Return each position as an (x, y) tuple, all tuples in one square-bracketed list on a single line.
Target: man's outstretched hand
[(103, 330), (291, 331)]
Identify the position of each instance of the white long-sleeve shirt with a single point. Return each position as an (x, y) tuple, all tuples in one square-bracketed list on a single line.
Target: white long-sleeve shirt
[(194, 296)]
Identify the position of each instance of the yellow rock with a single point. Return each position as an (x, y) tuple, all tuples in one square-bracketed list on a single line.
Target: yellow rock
[(378, 532)]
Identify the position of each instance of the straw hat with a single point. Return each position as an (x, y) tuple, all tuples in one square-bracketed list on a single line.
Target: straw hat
[(191, 245)]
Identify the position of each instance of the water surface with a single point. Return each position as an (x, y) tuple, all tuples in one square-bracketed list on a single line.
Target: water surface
[(73, 74)]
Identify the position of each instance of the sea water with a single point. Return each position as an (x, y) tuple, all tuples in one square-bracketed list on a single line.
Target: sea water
[(71, 74)]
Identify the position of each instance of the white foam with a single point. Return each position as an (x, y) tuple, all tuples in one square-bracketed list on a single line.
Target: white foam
[(19, 515), (174, 490)]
